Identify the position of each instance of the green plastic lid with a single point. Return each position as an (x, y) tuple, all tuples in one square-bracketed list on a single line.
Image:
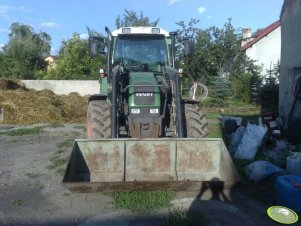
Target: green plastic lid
[(282, 214)]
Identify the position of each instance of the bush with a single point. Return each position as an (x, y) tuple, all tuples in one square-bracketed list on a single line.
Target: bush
[(243, 85)]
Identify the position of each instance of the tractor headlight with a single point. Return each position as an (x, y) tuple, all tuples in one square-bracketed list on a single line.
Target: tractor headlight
[(135, 111), (156, 30), (126, 30), (154, 111)]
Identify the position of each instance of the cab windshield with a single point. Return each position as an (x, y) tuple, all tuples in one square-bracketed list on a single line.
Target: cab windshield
[(141, 53)]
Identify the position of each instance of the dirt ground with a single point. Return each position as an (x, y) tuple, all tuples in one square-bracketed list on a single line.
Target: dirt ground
[(31, 192)]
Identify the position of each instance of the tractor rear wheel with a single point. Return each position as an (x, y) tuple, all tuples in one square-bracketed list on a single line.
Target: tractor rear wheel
[(196, 122), (98, 119)]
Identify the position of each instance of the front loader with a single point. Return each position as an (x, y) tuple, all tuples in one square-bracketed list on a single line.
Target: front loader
[(141, 134)]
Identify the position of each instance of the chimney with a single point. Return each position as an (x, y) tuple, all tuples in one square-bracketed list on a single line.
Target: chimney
[(246, 33), (246, 36)]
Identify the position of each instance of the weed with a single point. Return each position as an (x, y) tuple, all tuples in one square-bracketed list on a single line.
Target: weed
[(38, 186), (64, 144), (55, 125), (142, 202), (60, 172), (21, 132), (57, 161), (59, 152), (17, 202), (33, 175), (79, 127), (73, 135), (182, 217)]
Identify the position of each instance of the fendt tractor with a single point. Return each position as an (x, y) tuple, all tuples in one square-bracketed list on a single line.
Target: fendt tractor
[(141, 134)]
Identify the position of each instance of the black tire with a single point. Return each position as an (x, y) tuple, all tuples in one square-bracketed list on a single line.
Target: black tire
[(195, 122), (98, 119)]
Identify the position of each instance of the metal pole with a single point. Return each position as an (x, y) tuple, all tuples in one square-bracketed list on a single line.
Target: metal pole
[(180, 125), (114, 108)]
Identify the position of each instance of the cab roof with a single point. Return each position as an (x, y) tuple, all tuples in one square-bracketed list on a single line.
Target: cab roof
[(140, 30)]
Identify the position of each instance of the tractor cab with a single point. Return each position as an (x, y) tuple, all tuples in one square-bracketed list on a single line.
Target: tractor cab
[(140, 49)]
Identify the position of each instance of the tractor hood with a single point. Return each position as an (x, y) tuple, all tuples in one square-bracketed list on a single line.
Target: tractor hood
[(143, 91), (142, 77)]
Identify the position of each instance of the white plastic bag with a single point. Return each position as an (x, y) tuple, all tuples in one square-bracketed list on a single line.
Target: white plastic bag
[(258, 170), (250, 141)]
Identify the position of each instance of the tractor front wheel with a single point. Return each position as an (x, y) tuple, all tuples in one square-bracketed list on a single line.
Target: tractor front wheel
[(196, 122), (98, 119)]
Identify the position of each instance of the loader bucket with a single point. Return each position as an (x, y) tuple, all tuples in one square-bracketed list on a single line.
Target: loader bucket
[(180, 164)]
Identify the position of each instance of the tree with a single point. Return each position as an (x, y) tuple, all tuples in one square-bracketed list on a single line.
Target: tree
[(221, 91), (131, 18), (217, 54), (217, 50), (74, 62), (185, 33), (24, 54)]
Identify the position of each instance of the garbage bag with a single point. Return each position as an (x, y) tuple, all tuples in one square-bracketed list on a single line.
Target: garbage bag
[(236, 139), (250, 141), (237, 119), (258, 170), (277, 154)]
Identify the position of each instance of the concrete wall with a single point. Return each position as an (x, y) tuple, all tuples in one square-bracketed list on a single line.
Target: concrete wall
[(290, 56), (61, 87), (266, 51)]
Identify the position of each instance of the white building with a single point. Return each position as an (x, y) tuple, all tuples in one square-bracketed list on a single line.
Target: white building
[(264, 46), (290, 68)]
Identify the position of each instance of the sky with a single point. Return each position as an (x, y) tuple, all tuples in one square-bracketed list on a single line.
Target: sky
[(61, 18)]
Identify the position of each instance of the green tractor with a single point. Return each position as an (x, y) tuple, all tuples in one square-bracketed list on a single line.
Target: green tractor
[(140, 90), (141, 134)]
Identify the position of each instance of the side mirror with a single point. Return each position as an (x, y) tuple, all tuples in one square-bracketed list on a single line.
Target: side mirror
[(96, 46), (188, 48)]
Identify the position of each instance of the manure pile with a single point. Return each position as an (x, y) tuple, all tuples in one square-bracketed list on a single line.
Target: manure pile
[(23, 106)]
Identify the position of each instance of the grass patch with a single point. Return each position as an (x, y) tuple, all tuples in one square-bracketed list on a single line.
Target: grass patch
[(57, 161), (232, 107), (55, 125), (33, 175), (215, 131), (60, 172), (21, 132), (182, 217), (212, 115), (65, 144), (17, 202), (142, 202)]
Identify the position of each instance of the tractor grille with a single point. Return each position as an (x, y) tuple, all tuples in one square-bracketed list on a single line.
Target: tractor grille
[(144, 95)]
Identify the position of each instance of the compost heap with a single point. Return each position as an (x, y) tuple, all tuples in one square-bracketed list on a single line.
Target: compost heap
[(22, 106)]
